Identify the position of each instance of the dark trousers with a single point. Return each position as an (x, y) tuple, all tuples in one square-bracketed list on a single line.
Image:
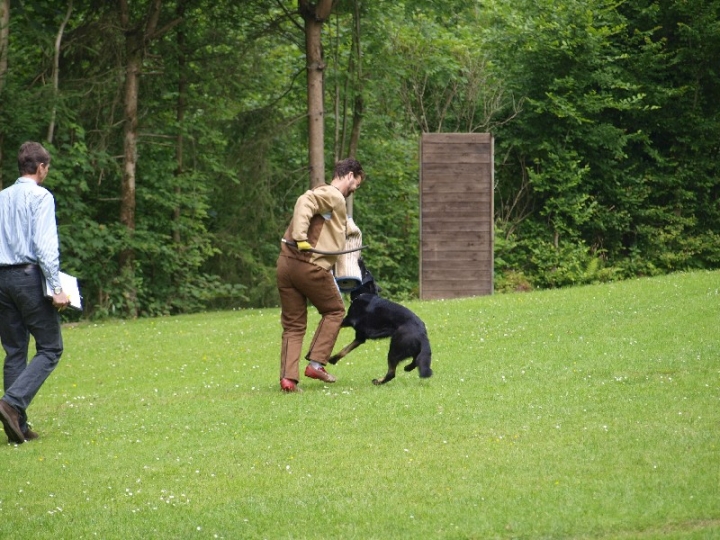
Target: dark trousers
[(299, 281), (26, 311)]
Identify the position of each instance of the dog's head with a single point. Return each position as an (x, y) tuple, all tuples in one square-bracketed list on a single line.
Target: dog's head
[(368, 285)]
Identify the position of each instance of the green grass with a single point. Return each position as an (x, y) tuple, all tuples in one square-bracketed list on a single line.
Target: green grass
[(591, 412)]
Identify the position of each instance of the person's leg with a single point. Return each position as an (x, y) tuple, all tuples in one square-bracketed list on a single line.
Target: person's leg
[(15, 339), (43, 322), (325, 296), (293, 319)]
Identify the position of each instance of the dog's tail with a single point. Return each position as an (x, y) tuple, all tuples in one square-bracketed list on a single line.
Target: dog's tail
[(424, 358)]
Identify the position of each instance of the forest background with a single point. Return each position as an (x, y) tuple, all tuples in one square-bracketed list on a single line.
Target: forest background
[(182, 134)]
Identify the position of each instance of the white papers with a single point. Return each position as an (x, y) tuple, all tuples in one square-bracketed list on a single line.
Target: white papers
[(70, 287)]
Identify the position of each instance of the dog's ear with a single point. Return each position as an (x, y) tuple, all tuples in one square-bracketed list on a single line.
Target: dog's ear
[(366, 275), (372, 288), (364, 272), (368, 285)]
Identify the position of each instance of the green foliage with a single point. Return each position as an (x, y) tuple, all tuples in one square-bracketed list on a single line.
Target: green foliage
[(588, 412), (536, 263), (608, 97), (440, 68), (511, 281), (386, 210), (605, 117), (566, 264)]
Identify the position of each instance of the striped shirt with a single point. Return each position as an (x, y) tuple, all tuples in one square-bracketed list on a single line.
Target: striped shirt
[(28, 230)]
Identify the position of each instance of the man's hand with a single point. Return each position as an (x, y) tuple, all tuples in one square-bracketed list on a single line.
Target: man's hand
[(61, 301), (304, 246)]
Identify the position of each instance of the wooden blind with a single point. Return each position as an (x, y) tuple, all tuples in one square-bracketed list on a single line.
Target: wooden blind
[(456, 215)]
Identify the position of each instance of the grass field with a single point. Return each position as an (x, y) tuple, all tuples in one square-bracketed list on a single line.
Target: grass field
[(590, 412)]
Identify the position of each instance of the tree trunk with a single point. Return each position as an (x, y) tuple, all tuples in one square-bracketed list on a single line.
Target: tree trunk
[(316, 117), (56, 72), (132, 82), (137, 38), (4, 44), (314, 16), (127, 191), (180, 116), (4, 39), (358, 102)]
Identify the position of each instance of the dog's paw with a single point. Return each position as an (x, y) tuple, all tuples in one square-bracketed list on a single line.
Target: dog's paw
[(334, 359), (389, 376)]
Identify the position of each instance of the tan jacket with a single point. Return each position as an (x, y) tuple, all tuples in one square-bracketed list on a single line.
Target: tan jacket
[(320, 218)]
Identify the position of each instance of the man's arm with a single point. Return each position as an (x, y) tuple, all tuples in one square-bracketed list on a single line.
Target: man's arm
[(319, 201), (45, 240)]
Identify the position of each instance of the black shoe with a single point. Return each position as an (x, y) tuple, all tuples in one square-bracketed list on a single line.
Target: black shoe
[(29, 435), (10, 419)]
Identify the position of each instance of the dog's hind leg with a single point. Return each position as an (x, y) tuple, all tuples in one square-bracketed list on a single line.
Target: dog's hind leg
[(424, 358), (396, 354), (389, 376), (423, 361)]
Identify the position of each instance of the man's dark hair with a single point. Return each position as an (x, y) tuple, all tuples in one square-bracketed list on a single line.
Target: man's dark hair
[(30, 156), (348, 165)]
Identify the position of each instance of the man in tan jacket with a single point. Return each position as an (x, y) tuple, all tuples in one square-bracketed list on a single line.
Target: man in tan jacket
[(304, 272)]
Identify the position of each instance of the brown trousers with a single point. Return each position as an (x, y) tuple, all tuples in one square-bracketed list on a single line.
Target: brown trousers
[(299, 281)]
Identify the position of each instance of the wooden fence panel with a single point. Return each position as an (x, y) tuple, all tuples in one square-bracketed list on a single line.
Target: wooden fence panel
[(456, 215)]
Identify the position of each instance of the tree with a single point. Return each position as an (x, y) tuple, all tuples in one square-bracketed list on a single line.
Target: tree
[(56, 72), (4, 46), (138, 35), (315, 16), (348, 84)]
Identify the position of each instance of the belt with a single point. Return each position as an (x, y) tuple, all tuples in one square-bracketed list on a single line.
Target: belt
[(24, 266)]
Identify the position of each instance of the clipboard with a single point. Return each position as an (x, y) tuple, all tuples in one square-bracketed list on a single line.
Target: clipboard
[(70, 287)]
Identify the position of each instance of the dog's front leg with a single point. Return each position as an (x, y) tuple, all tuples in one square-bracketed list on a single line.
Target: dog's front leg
[(335, 357)]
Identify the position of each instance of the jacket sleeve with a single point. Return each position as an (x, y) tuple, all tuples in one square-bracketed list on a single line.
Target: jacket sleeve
[(309, 204)]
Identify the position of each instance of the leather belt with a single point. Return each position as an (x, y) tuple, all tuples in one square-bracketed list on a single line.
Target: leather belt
[(25, 266)]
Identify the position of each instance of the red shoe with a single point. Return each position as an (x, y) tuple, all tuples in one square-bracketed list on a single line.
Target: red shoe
[(288, 385), (319, 373)]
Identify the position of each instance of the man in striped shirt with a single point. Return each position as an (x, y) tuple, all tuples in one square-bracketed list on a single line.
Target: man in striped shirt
[(29, 254)]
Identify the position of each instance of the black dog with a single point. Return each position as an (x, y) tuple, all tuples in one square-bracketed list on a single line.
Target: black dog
[(373, 317)]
